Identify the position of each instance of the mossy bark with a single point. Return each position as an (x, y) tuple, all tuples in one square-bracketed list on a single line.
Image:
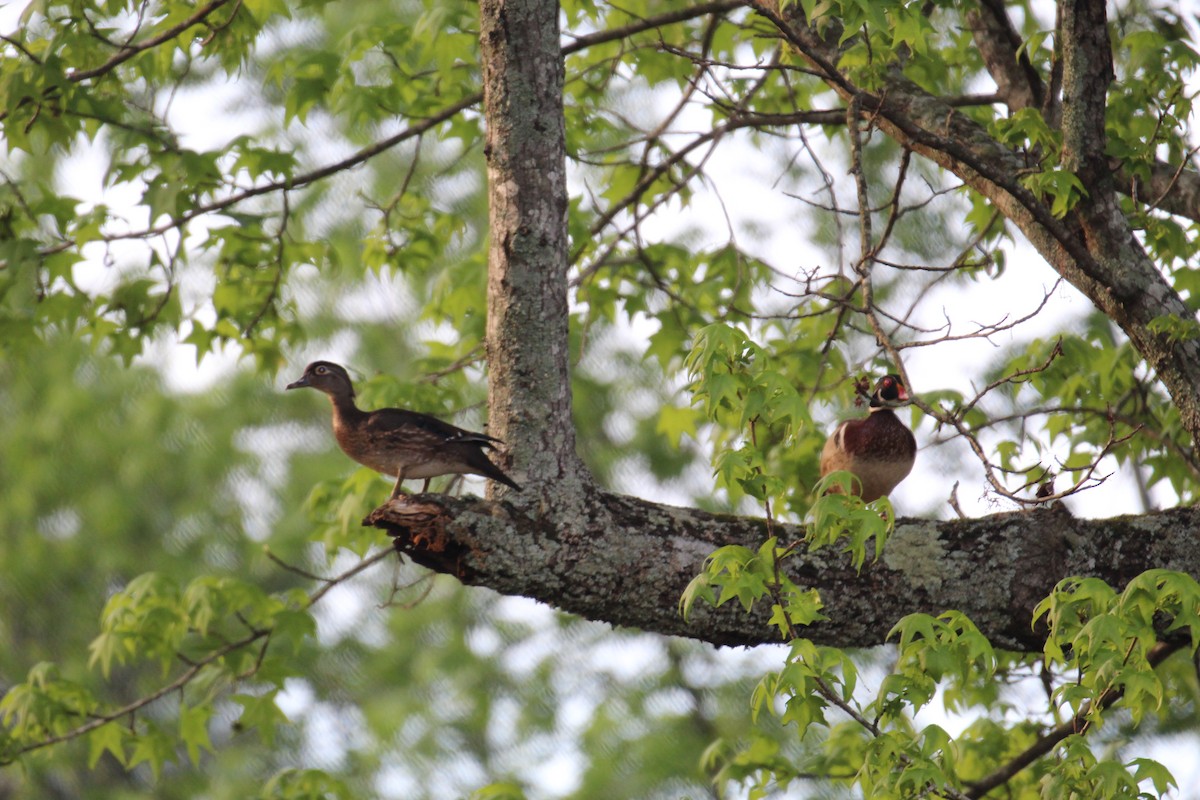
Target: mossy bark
[(627, 561)]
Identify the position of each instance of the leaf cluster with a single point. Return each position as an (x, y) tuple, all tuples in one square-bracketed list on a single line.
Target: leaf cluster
[(1114, 645)]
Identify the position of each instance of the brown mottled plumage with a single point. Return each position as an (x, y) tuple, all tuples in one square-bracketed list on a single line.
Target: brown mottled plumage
[(397, 442), (879, 450)]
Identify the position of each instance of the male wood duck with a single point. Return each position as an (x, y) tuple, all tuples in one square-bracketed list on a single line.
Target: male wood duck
[(879, 450), (393, 441)]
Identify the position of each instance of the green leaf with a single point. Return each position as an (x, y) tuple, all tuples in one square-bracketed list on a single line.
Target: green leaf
[(292, 629), (261, 713), (193, 730), (675, 423), (1145, 769), (110, 738), (304, 784), (698, 588), (154, 747)]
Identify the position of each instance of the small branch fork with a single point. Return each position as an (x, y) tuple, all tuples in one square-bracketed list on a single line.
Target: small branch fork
[(129, 49)]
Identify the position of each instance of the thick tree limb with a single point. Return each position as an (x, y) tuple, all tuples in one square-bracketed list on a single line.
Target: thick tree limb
[(627, 561), (1017, 81), (1087, 73), (1174, 189)]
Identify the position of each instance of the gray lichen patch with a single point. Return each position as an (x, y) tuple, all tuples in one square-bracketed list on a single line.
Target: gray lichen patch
[(917, 552), (687, 554)]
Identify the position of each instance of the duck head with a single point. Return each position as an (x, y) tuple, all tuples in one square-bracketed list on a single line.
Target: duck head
[(327, 377), (889, 392)]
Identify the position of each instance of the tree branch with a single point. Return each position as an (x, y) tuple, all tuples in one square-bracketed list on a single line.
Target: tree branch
[(197, 665), (1017, 82), (627, 561), (1055, 736), (128, 51), (1174, 189), (652, 23), (413, 131)]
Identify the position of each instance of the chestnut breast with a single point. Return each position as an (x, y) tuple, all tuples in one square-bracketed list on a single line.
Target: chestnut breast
[(878, 450)]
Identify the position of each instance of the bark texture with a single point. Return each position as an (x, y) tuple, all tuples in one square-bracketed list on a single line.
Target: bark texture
[(1017, 82), (627, 561), (529, 384)]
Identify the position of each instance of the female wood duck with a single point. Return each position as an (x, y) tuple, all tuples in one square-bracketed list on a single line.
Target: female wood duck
[(879, 450), (397, 442)]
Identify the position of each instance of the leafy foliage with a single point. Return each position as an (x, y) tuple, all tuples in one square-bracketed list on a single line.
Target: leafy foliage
[(1112, 642), (278, 180)]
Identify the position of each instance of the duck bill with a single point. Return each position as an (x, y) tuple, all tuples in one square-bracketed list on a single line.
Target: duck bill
[(300, 384)]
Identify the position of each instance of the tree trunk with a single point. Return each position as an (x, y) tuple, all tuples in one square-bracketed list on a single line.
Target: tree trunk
[(529, 388)]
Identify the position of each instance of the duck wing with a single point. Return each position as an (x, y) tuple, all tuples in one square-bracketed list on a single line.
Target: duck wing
[(402, 423)]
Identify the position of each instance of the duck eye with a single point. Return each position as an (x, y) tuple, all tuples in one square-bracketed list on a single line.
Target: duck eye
[(321, 370)]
